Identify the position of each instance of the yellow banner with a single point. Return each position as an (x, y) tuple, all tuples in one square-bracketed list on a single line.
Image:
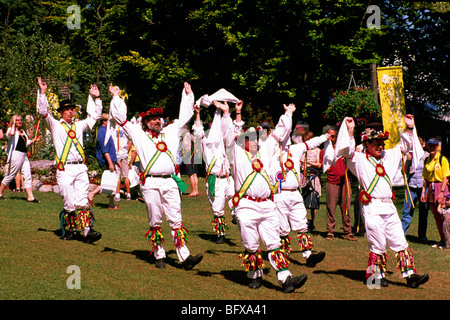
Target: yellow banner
[(392, 102)]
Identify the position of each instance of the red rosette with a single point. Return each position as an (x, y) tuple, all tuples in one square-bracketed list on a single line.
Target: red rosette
[(379, 169), (289, 164), (161, 146), (257, 165), (60, 166), (364, 197), (235, 200), (142, 178), (72, 134)]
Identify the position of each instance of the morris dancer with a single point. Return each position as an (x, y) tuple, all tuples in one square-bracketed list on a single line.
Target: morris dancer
[(288, 200), (219, 183), (374, 169), (254, 208), (71, 174), (156, 148)]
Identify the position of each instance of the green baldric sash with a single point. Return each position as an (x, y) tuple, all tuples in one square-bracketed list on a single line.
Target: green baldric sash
[(71, 139), (211, 179)]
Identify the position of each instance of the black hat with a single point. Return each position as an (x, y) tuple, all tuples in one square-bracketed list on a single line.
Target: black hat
[(65, 104)]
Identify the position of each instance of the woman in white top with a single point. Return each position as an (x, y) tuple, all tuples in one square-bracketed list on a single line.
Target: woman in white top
[(17, 157)]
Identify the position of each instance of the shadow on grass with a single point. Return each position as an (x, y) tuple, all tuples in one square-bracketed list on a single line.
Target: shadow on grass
[(213, 237), (145, 256), (357, 275)]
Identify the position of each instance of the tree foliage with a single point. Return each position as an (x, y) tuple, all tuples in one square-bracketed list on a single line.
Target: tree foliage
[(266, 52)]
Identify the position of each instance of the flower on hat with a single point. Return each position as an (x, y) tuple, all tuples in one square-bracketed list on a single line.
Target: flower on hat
[(371, 133), (151, 111)]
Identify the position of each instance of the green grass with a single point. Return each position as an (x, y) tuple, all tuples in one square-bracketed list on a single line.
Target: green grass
[(34, 261)]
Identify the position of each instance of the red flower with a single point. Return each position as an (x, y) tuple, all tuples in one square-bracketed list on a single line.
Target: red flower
[(72, 134), (364, 197), (257, 165), (235, 200), (161, 146), (379, 169), (60, 166), (289, 164)]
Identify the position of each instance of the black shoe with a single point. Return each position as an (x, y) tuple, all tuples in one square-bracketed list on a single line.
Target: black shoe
[(92, 236), (69, 235), (220, 239), (160, 264), (383, 282), (293, 283), (191, 261), (256, 283), (234, 221), (416, 280), (314, 259)]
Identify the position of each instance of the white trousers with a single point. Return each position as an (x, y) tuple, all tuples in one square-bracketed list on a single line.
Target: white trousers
[(383, 227), (18, 162), (258, 220), (224, 190), (73, 185), (291, 212), (162, 197)]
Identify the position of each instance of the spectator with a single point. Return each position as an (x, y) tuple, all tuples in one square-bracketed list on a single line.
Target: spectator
[(106, 158), (435, 172), (17, 157), (191, 149), (121, 146), (338, 190), (445, 212), (415, 183), (313, 190)]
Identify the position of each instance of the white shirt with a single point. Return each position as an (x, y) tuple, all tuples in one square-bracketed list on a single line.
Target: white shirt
[(296, 151), (213, 146), (239, 158), (146, 146), (59, 134), (360, 166)]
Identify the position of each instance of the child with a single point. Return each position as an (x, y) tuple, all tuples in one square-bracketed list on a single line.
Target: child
[(445, 212)]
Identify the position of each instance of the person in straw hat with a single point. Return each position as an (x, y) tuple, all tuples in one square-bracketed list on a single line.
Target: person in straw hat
[(374, 169)]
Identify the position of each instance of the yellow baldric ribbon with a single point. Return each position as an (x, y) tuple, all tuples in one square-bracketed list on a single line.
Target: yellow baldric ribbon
[(407, 191), (365, 195), (161, 147), (257, 167), (285, 167), (347, 188), (71, 139)]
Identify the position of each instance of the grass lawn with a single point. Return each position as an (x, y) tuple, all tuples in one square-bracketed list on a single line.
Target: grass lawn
[(34, 261)]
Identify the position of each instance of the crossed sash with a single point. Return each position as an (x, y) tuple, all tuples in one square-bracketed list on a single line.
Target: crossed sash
[(71, 139), (257, 167), (380, 172)]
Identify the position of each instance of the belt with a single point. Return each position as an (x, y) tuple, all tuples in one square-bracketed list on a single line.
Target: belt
[(74, 162), (289, 190), (164, 176), (256, 199), (220, 177)]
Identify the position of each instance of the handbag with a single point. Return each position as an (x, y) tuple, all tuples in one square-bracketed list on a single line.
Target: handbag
[(109, 182)]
